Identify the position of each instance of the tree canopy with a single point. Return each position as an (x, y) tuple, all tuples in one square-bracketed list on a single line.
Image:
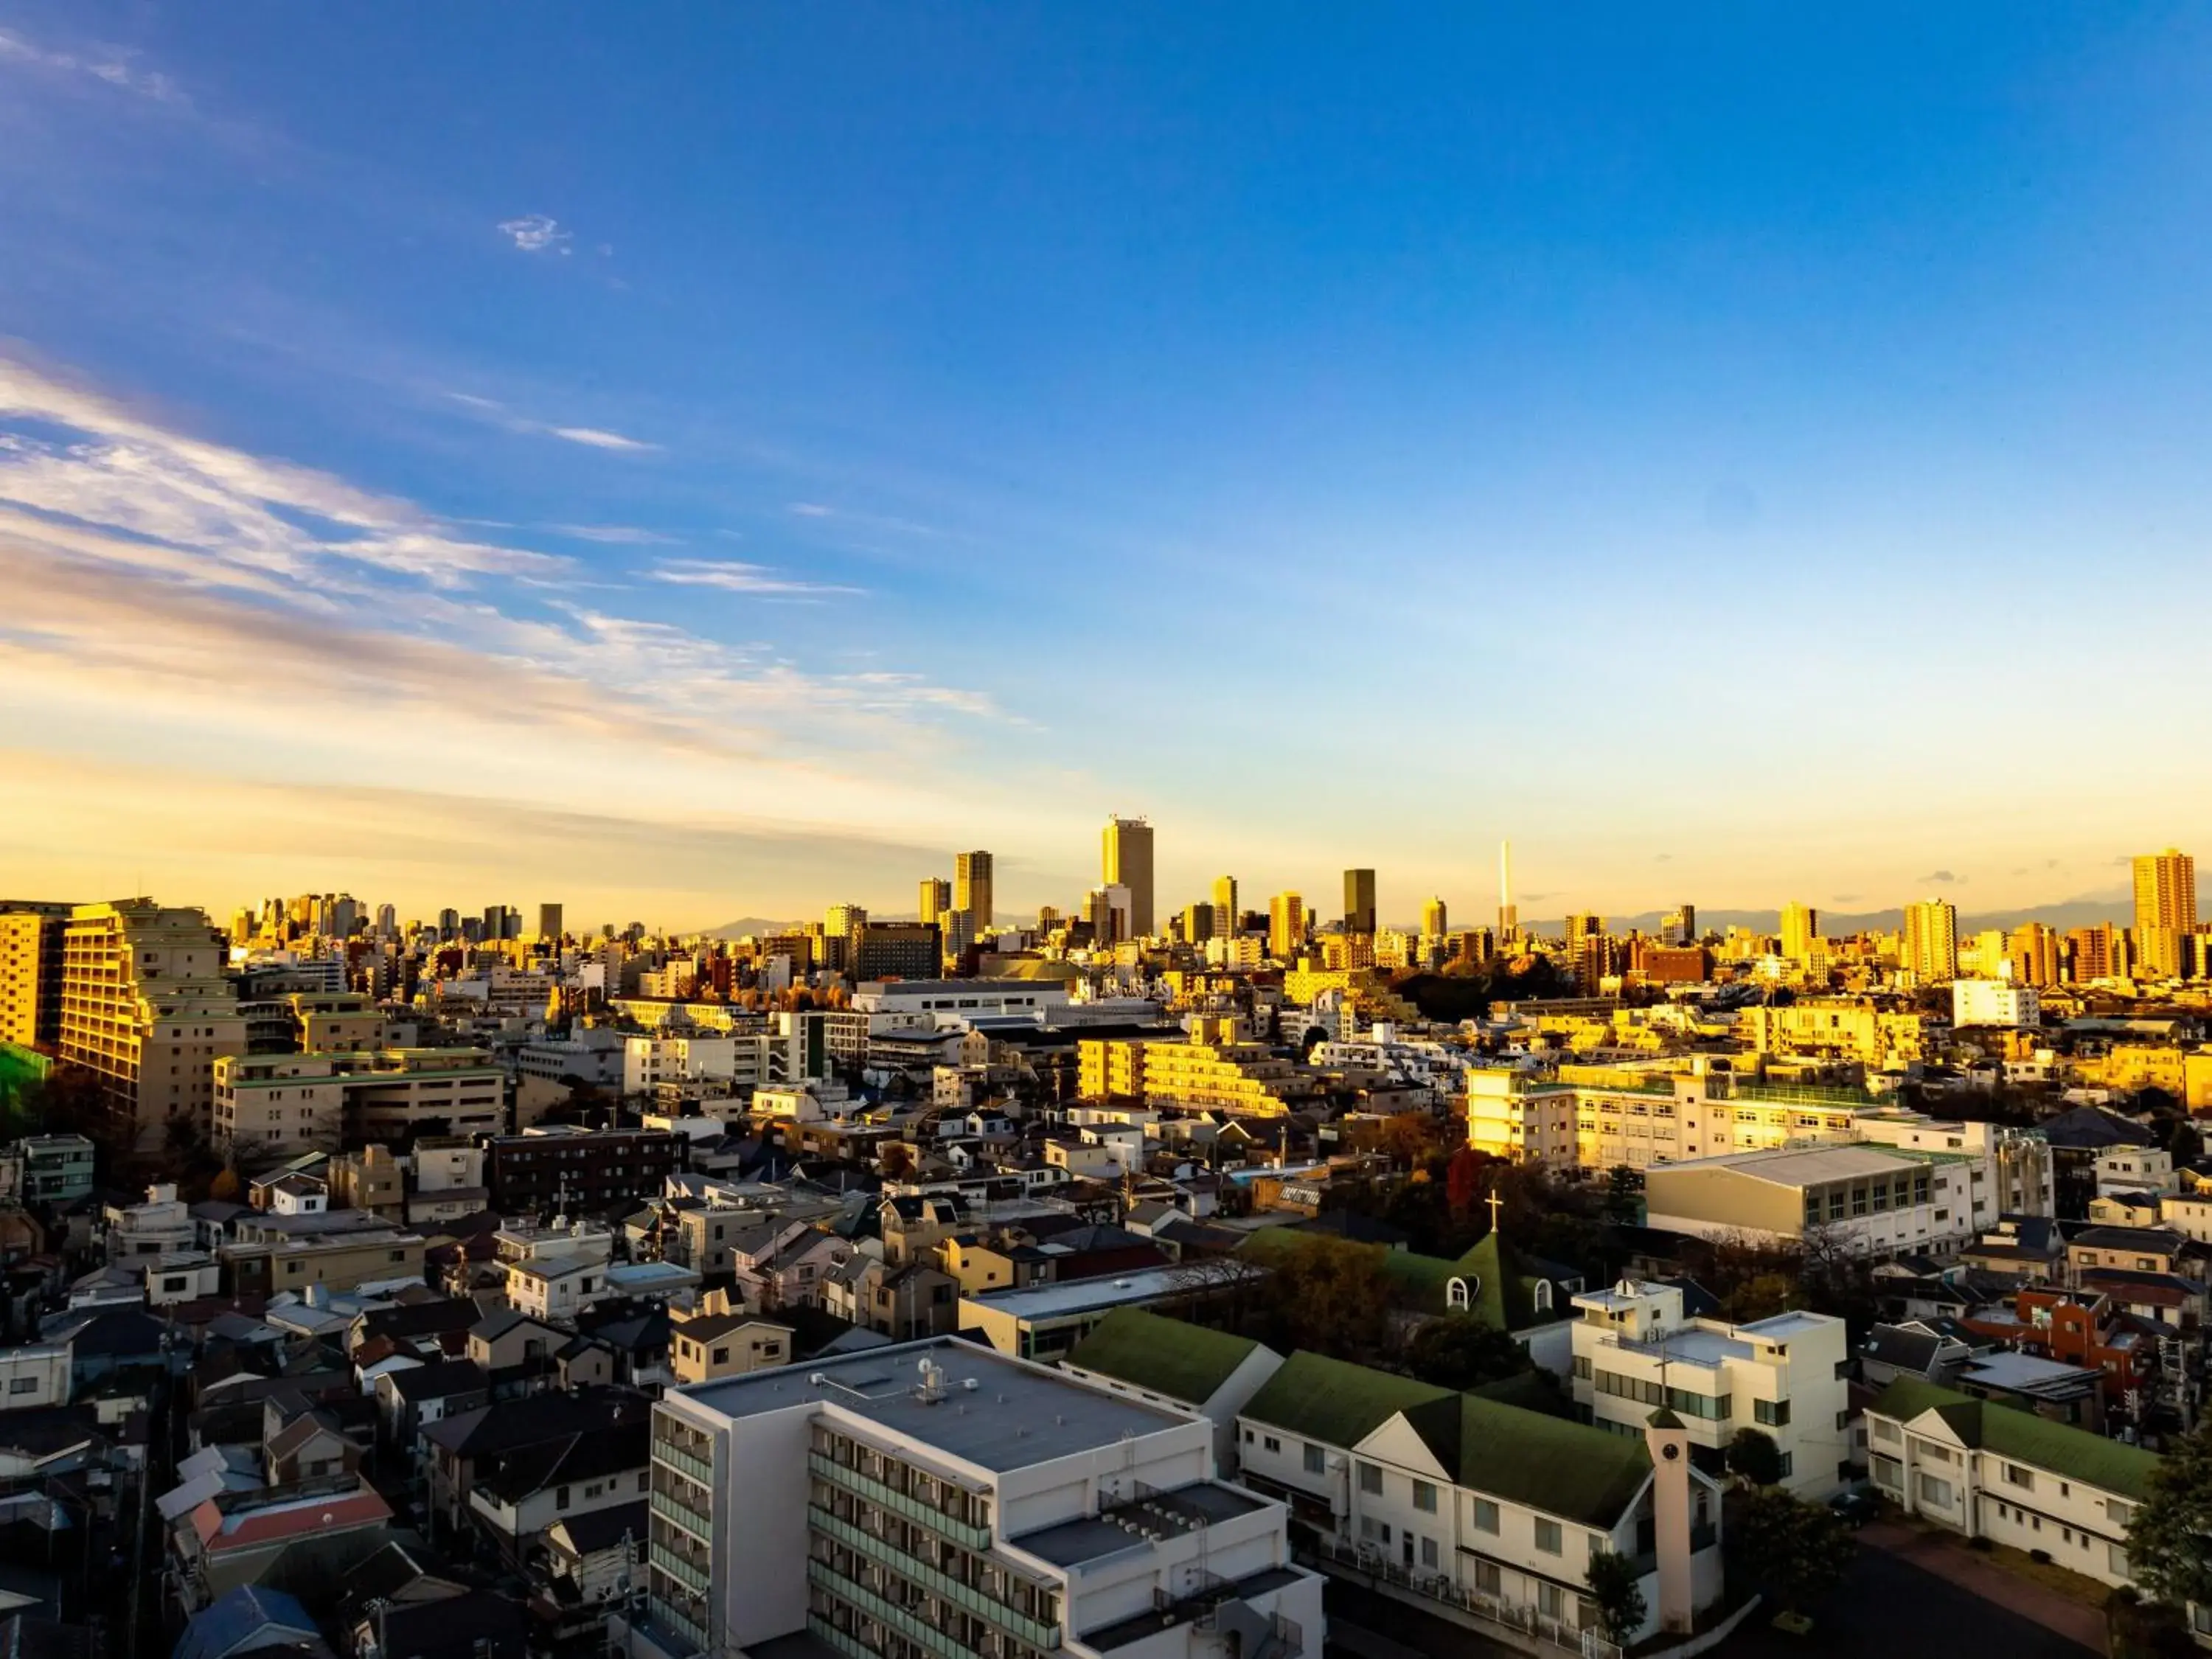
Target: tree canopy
[(2170, 1534), (1797, 1552), (1459, 1351)]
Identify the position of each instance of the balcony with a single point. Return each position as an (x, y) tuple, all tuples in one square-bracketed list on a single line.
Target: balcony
[(682, 1570), (1035, 1631), (914, 1628), (911, 1508), (673, 1509), (698, 1468), (664, 1614)]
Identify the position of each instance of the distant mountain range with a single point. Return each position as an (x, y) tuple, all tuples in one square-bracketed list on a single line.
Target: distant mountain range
[(755, 924), (1835, 924)]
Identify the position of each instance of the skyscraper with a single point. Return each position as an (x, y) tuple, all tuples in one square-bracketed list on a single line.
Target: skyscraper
[(971, 888), (2165, 909), (1129, 863), (1224, 907), (1508, 918), (936, 898), (1679, 925), (1286, 926), (1801, 931), (1359, 902), (1931, 941), (549, 923), (2033, 952), (1433, 919), (31, 937)]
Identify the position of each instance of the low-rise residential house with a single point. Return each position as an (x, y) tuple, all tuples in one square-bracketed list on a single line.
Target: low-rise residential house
[(512, 1337), (2048, 1388), (161, 1225), (234, 1538), (1989, 1471), (1486, 1506), (1910, 1349), (720, 1342), (904, 1303), (544, 1425), (1787, 1377), (518, 1494), (409, 1400), (791, 1274), (34, 1375), (2125, 1249)]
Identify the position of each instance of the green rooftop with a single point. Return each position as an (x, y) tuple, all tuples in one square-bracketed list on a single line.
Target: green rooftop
[(1335, 1403), (2011, 1431), (1163, 1356), (1568, 1469)]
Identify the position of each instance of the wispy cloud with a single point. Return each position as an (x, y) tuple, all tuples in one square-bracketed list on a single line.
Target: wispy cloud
[(613, 535), (737, 578), (593, 437), (1941, 878), (534, 233), (862, 521), (107, 65)]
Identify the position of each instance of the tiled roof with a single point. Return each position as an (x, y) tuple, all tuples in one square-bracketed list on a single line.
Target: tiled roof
[(2075, 1454), (1169, 1357)]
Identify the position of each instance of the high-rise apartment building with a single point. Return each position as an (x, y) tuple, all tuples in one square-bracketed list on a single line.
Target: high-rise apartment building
[(1801, 931), (31, 971), (2034, 954), (1197, 923), (1359, 902), (1286, 926), (2101, 952), (2165, 910), (147, 1007), (1224, 907), (1433, 919), (1931, 941), (1679, 927), (971, 888), (1129, 863), (550, 926), (936, 898), (1583, 925)]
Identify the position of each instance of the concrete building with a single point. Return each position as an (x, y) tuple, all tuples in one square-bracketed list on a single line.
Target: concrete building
[(1127, 862), (1224, 1074), (936, 898), (1043, 1321), (1634, 1352), (1931, 947), (31, 957), (1286, 926), (1994, 1002), (899, 950), (272, 1107), (971, 888), (1875, 1200), (2165, 910), (1359, 903), (938, 1499), (147, 1007)]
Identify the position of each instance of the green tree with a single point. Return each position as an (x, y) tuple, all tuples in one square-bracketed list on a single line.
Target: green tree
[(1797, 1552), (2136, 1629), (1622, 1189), (1617, 1595), (2168, 1546), (1459, 1351), (1331, 1296), (1754, 1458)]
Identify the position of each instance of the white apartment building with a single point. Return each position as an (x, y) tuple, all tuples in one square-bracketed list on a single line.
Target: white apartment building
[(1994, 1002), (936, 1500), (1785, 1377), (1992, 1471), (269, 1107)]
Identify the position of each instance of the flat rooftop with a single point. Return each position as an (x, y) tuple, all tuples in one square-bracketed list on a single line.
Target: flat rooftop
[(1081, 1296), (1802, 1167), (1128, 1526), (1015, 1414)]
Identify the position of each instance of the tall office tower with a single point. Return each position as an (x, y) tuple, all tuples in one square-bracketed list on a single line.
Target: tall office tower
[(843, 920), (1931, 941), (1580, 926), (1679, 926), (972, 887), (2033, 952), (1432, 919), (1801, 931), (958, 928), (147, 1006), (494, 922), (344, 916), (1048, 917), (1359, 902), (1508, 918), (1224, 907), (936, 898), (1129, 863), (1197, 923), (387, 922), (449, 923), (549, 923), (31, 970), (2165, 909), (1286, 926)]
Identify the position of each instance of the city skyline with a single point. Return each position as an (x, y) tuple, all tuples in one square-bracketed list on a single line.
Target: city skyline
[(493, 504)]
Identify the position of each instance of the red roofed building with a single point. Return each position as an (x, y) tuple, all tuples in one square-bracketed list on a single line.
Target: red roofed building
[(234, 1538)]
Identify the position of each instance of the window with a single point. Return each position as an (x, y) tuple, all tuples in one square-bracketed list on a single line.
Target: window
[(1371, 1477), (1934, 1490), (22, 1385), (644, 1479), (1888, 1471), (1317, 1461), (1884, 1430), (1429, 1552), (1273, 1444), (1483, 1516), (721, 1356), (561, 1498), (1551, 1601), (2117, 1513), (2016, 1476), (1424, 1497), (1547, 1536), (1775, 1413)]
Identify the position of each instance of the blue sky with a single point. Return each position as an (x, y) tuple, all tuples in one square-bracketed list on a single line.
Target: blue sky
[(703, 460)]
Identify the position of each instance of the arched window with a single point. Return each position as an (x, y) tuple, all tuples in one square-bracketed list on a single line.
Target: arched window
[(1543, 1296), (1457, 1292)]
